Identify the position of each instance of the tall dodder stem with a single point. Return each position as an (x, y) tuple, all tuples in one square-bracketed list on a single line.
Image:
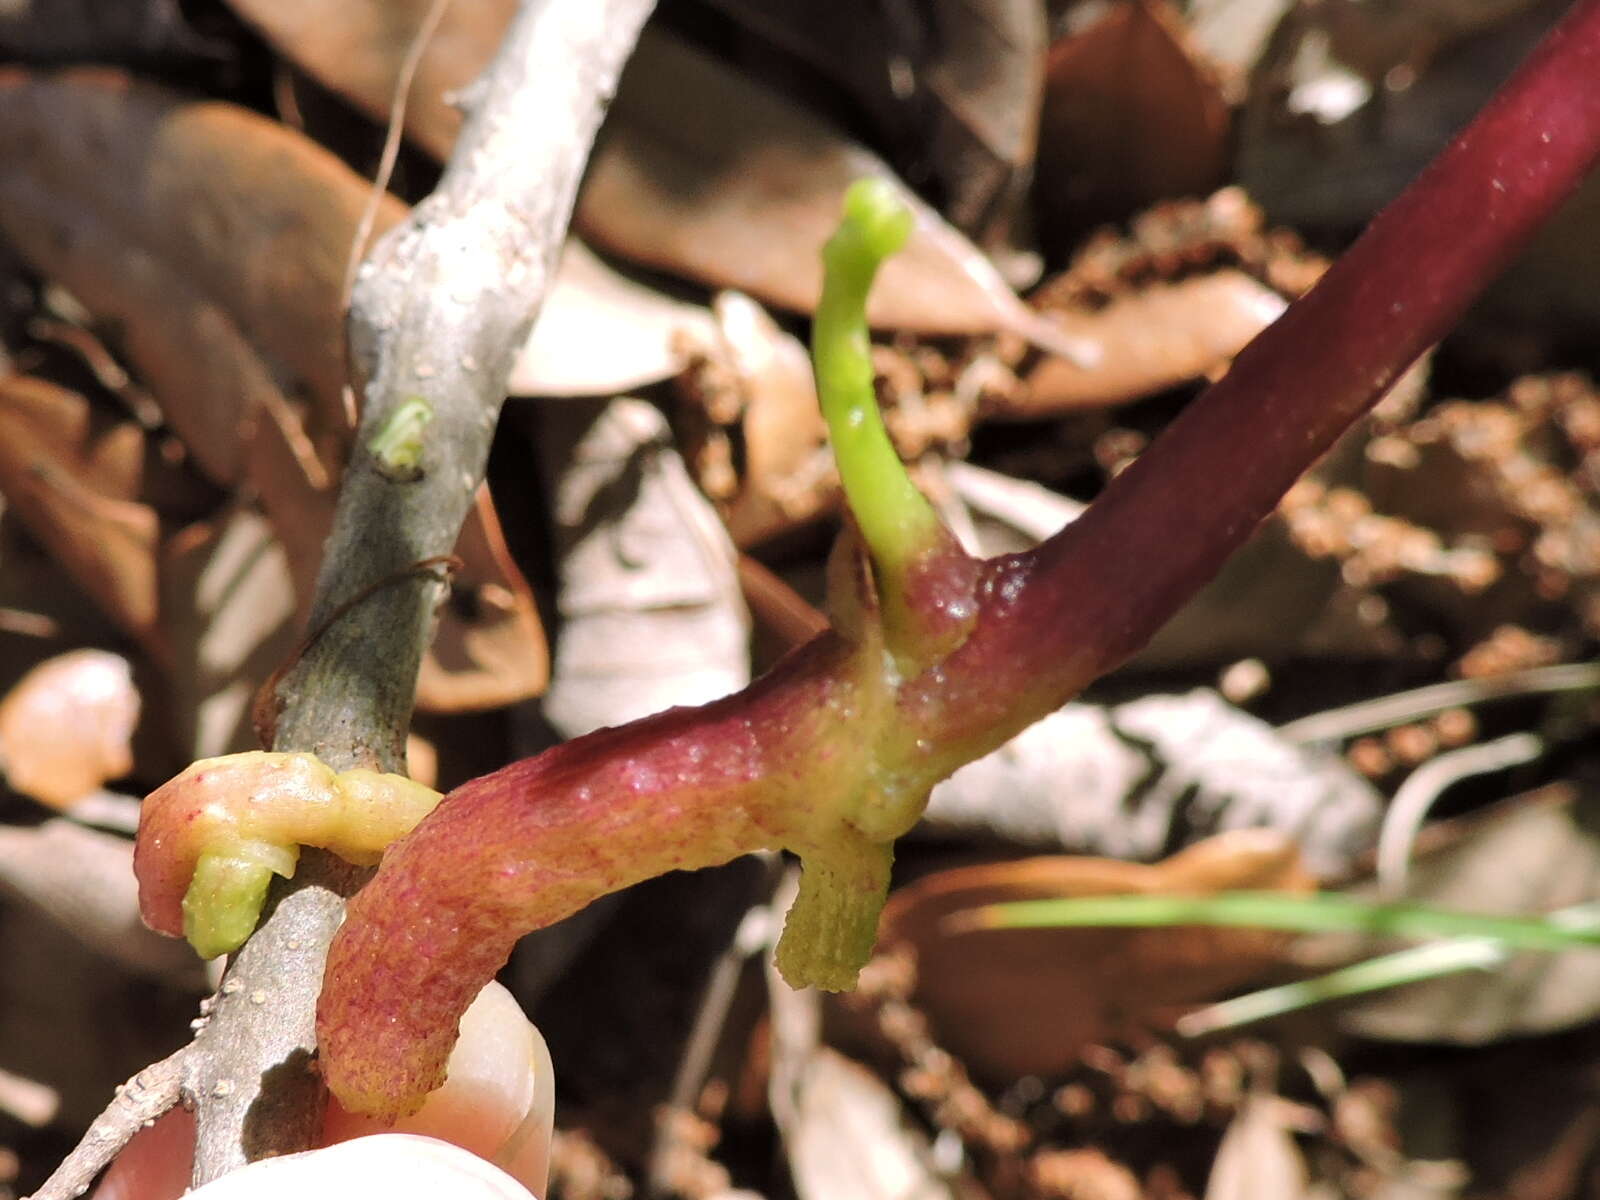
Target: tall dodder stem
[(833, 752), (1096, 592)]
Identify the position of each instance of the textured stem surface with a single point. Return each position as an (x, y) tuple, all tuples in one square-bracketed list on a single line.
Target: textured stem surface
[(533, 842), (560, 829), (439, 311)]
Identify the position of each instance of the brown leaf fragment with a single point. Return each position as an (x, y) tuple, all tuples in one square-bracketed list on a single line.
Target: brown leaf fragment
[(72, 479), (1130, 116), (602, 333), (491, 652), (733, 186), (65, 728), (124, 193), (268, 216), (356, 48), (751, 387), (599, 333), (1160, 336), (1026, 1001), (953, 85)]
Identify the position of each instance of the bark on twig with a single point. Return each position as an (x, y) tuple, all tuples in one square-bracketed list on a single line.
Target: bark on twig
[(141, 1100), (438, 313)]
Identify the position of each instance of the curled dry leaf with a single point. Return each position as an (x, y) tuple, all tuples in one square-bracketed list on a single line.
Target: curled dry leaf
[(599, 332), (73, 480), (1155, 338), (731, 185), (1131, 115), (952, 85), (250, 288), (652, 611), (751, 387), (65, 727), (1530, 854), (1026, 1001)]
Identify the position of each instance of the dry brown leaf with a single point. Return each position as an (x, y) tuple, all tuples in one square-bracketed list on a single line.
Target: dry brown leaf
[(267, 215), (65, 728), (249, 277), (1130, 116), (1160, 336), (952, 85), (491, 651), (728, 183), (1026, 1001), (1532, 854), (73, 480), (599, 333), (242, 228), (356, 49)]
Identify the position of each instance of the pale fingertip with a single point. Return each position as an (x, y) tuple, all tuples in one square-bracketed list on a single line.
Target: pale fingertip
[(498, 1100), (396, 1166)]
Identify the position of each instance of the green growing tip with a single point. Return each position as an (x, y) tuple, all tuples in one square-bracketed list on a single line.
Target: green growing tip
[(398, 445), (896, 521), (224, 899)]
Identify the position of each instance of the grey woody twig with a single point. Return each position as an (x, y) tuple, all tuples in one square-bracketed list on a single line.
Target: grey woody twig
[(137, 1103), (437, 315)]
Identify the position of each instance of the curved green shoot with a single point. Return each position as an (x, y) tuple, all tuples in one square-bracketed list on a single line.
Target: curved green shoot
[(1468, 941), (896, 521), (1413, 965), (1325, 913)]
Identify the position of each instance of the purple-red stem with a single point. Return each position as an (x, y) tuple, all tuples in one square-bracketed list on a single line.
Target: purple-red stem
[(418, 942), (1097, 591)]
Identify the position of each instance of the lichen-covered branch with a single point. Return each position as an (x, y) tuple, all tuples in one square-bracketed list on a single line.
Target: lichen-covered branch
[(437, 314)]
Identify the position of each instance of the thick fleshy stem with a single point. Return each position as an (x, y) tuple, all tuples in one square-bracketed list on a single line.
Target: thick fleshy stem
[(779, 765), (211, 838), (422, 935)]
